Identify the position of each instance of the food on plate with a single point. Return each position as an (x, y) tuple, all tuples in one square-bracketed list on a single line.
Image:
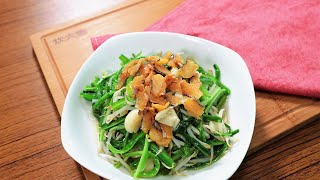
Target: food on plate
[(161, 115)]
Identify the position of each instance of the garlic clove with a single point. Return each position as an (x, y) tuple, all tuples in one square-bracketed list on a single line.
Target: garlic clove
[(132, 122)]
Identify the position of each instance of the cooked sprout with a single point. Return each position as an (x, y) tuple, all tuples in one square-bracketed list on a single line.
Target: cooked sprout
[(161, 115)]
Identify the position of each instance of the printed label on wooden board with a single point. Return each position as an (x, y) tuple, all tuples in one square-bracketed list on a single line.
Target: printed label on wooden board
[(61, 52)]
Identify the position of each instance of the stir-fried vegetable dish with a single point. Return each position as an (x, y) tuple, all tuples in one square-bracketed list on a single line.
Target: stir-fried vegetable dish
[(161, 115)]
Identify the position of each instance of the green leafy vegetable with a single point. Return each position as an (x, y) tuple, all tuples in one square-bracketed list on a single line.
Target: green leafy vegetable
[(193, 141)]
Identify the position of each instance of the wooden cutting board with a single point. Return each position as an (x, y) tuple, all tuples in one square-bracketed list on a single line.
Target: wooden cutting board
[(62, 50)]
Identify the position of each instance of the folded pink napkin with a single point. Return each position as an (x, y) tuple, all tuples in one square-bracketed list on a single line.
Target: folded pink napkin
[(279, 40)]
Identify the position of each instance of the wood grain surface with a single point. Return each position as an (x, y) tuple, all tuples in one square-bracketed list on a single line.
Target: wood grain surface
[(30, 145), (276, 114)]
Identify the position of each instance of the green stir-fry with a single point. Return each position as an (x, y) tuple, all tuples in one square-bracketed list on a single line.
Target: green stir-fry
[(161, 115)]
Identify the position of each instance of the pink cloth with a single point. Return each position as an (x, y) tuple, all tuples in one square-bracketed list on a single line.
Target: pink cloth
[(279, 40)]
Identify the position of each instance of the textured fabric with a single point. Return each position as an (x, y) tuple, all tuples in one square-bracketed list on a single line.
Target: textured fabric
[(279, 40)]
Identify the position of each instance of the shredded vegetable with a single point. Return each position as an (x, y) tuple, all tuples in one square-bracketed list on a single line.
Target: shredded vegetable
[(161, 115)]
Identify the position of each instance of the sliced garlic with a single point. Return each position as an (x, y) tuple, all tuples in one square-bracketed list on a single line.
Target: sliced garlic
[(132, 122), (168, 117)]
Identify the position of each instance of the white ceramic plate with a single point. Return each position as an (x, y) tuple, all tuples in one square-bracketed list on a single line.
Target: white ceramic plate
[(78, 130)]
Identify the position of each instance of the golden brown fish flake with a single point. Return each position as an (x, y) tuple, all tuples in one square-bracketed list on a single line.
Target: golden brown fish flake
[(190, 90), (195, 80), (167, 130), (189, 69), (174, 100), (137, 81), (162, 137), (152, 58), (176, 61), (148, 118), (124, 74), (148, 78), (141, 97), (158, 100), (161, 69), (193, 108), (160, 107), (173, 83), (145, 69), (163, 61), (158, 85), (134, 68)]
